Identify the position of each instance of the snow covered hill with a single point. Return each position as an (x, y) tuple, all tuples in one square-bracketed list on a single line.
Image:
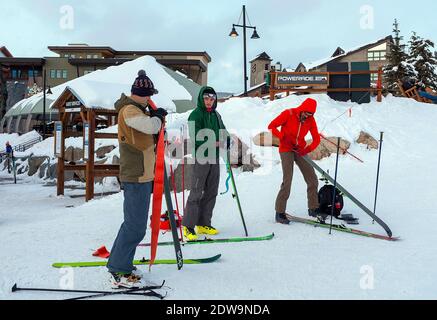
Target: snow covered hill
[(301, 262)]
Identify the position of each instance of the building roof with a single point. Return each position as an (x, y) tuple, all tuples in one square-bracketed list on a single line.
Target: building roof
[(112, 52), (82, 47), (262, 56), (338, 51), (5, 52), (11, 61), (166, 53), (338, 55), (251, 89)]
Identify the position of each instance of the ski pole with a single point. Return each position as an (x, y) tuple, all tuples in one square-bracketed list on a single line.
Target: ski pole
[(176, 198), (236, 192), (377, 173), (15, 288), (335, 184), (14, 168), (149, 293), (183, 170), (342, 149)]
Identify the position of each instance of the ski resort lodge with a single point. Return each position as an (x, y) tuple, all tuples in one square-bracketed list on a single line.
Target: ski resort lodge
[(374, 53)]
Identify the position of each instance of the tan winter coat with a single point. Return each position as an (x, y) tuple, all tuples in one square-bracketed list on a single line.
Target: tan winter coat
[(136, 141)]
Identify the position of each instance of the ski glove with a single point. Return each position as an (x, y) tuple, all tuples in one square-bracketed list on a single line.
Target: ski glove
[(303, 152), (159, 113)]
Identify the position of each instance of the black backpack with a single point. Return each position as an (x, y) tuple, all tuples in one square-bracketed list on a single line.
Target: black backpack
[(326, 194)]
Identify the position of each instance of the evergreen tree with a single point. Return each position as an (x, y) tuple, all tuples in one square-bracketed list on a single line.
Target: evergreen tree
[(397, 68), (423, 59)]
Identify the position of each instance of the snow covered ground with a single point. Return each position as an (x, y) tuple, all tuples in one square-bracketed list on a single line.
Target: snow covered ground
[(301, 262)]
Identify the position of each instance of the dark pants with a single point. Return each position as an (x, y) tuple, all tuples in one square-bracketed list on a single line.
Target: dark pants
[(288, 159), (203, 195), (132, 231)]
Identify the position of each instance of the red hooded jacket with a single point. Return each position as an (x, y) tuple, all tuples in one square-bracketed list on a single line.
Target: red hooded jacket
[(293, 132)]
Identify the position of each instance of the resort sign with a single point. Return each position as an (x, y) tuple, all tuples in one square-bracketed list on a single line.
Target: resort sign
[(58, 138), (301, 79), (73, 106)]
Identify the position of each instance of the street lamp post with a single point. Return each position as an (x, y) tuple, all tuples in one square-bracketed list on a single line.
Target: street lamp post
[(44, 105), (234, 34), (45, 92)]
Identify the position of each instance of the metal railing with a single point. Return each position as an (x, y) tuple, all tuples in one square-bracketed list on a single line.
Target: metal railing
[(25, 145)]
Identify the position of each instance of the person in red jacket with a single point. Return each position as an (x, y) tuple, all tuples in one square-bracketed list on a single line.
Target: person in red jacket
[(295, 125)]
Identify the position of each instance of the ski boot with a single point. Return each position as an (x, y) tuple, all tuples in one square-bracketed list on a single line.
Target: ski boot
[(207, 230), (125, 281), (282, 218), (190, 234), (318, 214)]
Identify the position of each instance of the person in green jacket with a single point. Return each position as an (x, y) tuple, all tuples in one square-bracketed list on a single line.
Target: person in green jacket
[(208, 134)]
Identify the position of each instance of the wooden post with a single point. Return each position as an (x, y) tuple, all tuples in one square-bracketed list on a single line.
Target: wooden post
[(272, 85), (89, 173), (60, 167), (379, 85)]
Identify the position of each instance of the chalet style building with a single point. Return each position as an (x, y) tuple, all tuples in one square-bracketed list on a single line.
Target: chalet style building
[(375, 53)]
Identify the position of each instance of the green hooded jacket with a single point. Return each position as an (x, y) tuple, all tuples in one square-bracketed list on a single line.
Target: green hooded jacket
[(200, 119)]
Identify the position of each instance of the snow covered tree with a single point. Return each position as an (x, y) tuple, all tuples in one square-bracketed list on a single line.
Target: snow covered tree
[(398, 67), (423, 59)]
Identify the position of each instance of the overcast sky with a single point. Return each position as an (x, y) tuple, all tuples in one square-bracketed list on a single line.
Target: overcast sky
[(291, 31)]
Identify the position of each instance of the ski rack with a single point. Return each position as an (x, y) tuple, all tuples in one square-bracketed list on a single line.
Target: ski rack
[(350, 196)]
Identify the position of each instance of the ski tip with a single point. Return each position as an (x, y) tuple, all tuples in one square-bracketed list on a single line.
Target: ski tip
[(14, 288), (395, 238)]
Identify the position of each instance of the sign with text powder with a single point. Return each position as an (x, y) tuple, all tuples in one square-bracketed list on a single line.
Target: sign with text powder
[(86, 140), (58, 138), (301, 79)]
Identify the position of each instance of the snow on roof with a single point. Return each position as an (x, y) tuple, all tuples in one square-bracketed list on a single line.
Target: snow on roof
[(101, 88), (252, 88), (262, 56)]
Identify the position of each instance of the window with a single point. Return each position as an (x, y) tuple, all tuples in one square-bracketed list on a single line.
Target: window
[(64, 74), (266, 67), (73, 56), (58, 74), (96, 56), (33, 73), (16, 74), (66, 55), (374, 77), (88, 56), (53, 74), (376, 55)]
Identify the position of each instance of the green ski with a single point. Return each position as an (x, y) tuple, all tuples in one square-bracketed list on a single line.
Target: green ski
[(341, 228), (212, 241), (136, 262)]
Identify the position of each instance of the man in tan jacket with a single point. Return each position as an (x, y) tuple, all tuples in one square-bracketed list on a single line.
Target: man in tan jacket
[(137, 125)]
